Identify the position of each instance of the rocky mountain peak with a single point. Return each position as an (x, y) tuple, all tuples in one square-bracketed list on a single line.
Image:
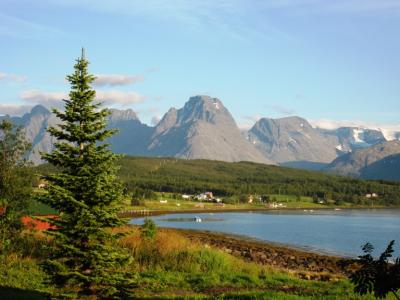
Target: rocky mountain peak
[(204, 108), (39, 110), (292, 123), (168, 121), (291, 139), (122, 115), (203, 128)]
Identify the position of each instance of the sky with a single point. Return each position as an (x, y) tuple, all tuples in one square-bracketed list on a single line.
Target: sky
[(333, 62)]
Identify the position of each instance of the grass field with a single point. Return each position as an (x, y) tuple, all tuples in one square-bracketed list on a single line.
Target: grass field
[(173, 267)]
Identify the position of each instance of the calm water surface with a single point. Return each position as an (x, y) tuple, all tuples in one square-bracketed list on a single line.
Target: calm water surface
[(336, 232)]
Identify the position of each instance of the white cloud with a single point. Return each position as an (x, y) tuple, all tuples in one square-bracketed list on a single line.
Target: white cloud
[(115, 79), (12, 77), (14, 110), (48, 99), (155, 120), (108, 98)]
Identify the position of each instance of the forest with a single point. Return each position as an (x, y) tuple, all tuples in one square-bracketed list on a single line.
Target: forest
[(226, 179)]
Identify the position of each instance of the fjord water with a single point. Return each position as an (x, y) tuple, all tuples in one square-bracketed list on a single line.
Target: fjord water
[(329, 231)]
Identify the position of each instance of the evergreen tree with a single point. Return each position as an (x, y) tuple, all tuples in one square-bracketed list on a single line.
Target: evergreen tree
[(15, 181), (87, 194)]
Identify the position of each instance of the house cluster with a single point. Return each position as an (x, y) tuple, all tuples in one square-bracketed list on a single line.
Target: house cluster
[(207, 196), (276, 205), (372, 195)]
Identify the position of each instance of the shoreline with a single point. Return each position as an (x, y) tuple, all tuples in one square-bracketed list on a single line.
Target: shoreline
[(146, 212), (274, 254), (246, 238), (284, 255)]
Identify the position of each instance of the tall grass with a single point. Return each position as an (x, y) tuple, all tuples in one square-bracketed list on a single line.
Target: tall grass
[(170, 266)]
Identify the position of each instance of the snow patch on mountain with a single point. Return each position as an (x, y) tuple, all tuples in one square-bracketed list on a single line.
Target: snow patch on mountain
[(389, 131), (339, 147)]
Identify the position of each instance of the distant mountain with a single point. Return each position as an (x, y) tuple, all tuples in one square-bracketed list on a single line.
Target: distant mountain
[(357, 163), (35, 124), (294, 140), (353, 138), (387, 168), (203, 128), (132, 137)]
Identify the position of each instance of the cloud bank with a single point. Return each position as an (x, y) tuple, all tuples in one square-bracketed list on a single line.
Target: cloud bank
[(108, 98), (14, 110), (119, 98), (115, 79)]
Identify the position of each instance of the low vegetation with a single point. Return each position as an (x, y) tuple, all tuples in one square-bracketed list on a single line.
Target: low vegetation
[(377, 276), (169, 266)]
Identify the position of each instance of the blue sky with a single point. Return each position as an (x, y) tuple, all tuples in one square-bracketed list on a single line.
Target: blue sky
[(335, 62)]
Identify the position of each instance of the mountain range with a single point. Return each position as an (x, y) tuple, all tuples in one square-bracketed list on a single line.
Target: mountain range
[(204, 129)]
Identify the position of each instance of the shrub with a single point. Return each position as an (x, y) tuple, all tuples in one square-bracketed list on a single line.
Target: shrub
[(149, 229), (377, 276)]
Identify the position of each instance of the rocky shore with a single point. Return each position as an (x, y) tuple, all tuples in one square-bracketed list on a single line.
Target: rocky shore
[(307, 264)]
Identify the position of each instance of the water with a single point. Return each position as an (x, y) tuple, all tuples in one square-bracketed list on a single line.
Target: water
[(336, 232)]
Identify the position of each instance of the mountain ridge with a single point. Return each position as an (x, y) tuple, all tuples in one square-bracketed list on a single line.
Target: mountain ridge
[(358, 162), (204, 128)]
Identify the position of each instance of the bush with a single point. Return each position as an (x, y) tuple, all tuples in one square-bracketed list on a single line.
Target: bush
[(377, 276), (149, 229)]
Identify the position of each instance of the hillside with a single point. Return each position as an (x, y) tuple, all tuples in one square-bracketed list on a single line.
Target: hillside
[(357, 162), (229, 179), (235, 179), (387, 168)]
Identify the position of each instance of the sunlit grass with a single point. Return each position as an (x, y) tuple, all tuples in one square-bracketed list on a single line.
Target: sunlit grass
[(171, 266)]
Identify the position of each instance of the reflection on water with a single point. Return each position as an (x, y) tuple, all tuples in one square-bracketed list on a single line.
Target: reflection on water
[(340, 232), (192, 219)]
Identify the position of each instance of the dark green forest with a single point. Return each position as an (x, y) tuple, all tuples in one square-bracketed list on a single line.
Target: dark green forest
[(233, 179)]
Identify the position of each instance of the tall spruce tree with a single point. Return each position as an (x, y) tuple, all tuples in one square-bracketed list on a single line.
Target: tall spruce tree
[(87, 194)]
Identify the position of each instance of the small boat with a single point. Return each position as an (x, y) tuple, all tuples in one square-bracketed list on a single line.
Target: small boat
[(337, 209), (198, 219)]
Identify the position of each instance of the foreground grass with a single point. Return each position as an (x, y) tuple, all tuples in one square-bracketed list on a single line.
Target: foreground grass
[(172, 267)]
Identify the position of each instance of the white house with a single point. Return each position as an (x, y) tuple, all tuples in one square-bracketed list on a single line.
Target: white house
[(207, 196)]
